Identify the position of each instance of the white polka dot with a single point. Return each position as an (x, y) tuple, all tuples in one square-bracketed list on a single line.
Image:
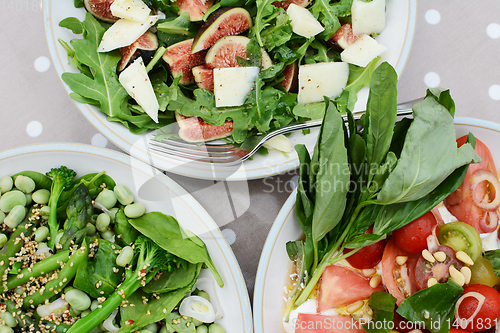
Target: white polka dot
[(42, 64), (34, 128), (494, 92), (432, 79), (229, 235), (432, 16), (493, 30), (99, 140)]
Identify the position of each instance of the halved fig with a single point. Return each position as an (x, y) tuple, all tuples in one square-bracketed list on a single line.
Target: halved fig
[(194, 129), (143, 47), (195, 8), (204, 77), (291, 72), (179, 58), (343, 38), (101, 9), (223, 22), (284, 4)]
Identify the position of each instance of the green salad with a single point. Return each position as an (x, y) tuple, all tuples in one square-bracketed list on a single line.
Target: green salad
[(81, 255), (272, 47)]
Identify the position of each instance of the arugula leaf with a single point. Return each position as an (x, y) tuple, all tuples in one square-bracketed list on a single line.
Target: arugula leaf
[(325, 13), (383, 305), (73, 24), (434, 306), (494, 257), (266, 12), (180, 25), (310, 110), (277, 34)]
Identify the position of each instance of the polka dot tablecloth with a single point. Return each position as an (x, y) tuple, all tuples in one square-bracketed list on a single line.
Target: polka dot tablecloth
[(456, 45)]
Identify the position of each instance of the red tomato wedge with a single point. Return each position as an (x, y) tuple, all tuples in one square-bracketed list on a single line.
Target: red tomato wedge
[(460, 203), (341, 286), (317, 323), (392, 272)]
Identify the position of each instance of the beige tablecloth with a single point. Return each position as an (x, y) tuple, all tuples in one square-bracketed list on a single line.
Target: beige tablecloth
[(456, 45)]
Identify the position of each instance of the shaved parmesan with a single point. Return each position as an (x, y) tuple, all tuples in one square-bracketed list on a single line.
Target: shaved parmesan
[(124, 32)]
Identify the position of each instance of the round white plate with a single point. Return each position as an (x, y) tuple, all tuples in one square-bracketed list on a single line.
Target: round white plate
[(158, 193), (397, 37), (274, 265)]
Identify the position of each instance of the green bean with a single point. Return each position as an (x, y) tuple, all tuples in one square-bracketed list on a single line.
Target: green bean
[(202, 329), (54, 287), (11, 199), (8, 319), (107, 198), (3, 240), (102, 222), (15, 216), (40, 268), (123, 194), (135, 210), (14, 245), (41, 234), (51, 327), (78, 300), (125, 256), (25, 322), (41, 196), (215, 328), (24, 184), (6, 184)]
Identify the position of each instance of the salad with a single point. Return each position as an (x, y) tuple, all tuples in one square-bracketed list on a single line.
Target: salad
[(166, 75), (79, 254), (407, 239)]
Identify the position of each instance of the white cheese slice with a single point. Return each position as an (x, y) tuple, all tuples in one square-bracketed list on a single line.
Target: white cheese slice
[(124, 32), (362, 51), (279, 142), (322, 79), (134, 10), (368, 17), (232, 85), (136, 82), (303, 22)]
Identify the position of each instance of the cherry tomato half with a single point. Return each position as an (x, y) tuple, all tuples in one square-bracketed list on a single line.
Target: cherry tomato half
[(424, 270), (488, 314), (368, 256), (412, 237), (458, 330)]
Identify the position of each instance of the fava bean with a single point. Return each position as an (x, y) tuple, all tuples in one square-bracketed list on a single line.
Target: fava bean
[(73, 312), (41, 234), (145, 331), (24, 184), (123, 194), (95, 303), (196, 322), (41, 196), (102, 222), (92, 230), (2, 216), (28, 199), (3, 240), (44, 212), (125, 256), (78, 300), (15, 216), (153, 328), (8, 319), (11, 199), (201, 329), (6, 329), (107, 235), (204, 294), (6, 184), (215, 328), (135, 210), (107, 198)]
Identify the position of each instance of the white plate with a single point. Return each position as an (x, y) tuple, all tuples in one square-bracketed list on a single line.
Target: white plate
[(274, 265), (158, 193), (398, 36)]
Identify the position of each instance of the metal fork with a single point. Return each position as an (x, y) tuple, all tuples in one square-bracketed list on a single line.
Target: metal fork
[(222, 153)]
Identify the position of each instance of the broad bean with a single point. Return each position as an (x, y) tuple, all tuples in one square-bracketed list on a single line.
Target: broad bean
[(215, 328), (41, 234), (45, 212), (15, 216), (41, 196), (2, 216), (11, 199), (29, 199), (102, 222), (78, 300), (24, 184), (107, 234), (135, 210), (92, 229), (202, 329), (153, 328), (123, 194), (6, 184), (8, 319), (107, 198), (125, 256), (3, 240), (6, 329)]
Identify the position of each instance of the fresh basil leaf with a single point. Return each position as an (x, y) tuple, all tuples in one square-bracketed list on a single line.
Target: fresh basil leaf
[(383, 171), (398, 138), (364, 240), (73, 24), (435, 306), (444, 98), (494, 257), (383, 305), (178, 278)]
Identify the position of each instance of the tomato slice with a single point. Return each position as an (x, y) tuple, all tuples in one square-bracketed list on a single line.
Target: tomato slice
[(341, 286), (369, 256), (412, 237), (460, 202), (398, 279), (461, 236), (317, 323), (488, 314), (424, 270)]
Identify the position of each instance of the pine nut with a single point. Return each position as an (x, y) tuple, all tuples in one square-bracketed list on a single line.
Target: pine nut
[(466, 273), (415, 331), (456, 276), (367, 272), (440, 256), (401, 260), (431, 282), (375, 281), (351, 308), (428, 256), (464, 257)]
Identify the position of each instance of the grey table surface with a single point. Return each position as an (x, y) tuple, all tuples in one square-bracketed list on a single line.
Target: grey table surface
[(456, 45)]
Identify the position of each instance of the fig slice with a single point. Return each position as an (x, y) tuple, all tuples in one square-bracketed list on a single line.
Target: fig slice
[(284, 4), (179, 58), (204, 77), (195, 8), (291, 81), (343, 38), (143, 47), (101, 9), (223, 22), (194, 129)]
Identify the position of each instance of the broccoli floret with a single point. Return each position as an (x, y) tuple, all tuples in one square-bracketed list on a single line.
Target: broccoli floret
[(61, 178)]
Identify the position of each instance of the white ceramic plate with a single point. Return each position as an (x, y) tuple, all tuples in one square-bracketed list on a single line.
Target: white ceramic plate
[(397, 36), (274, 265), (158, 193)]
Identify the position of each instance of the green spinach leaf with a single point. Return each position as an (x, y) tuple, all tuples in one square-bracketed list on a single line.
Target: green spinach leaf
[(383, 305)]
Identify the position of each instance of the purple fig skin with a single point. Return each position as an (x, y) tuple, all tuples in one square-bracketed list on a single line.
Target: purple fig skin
[(195, 8), (101, 9), (144, 45)]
